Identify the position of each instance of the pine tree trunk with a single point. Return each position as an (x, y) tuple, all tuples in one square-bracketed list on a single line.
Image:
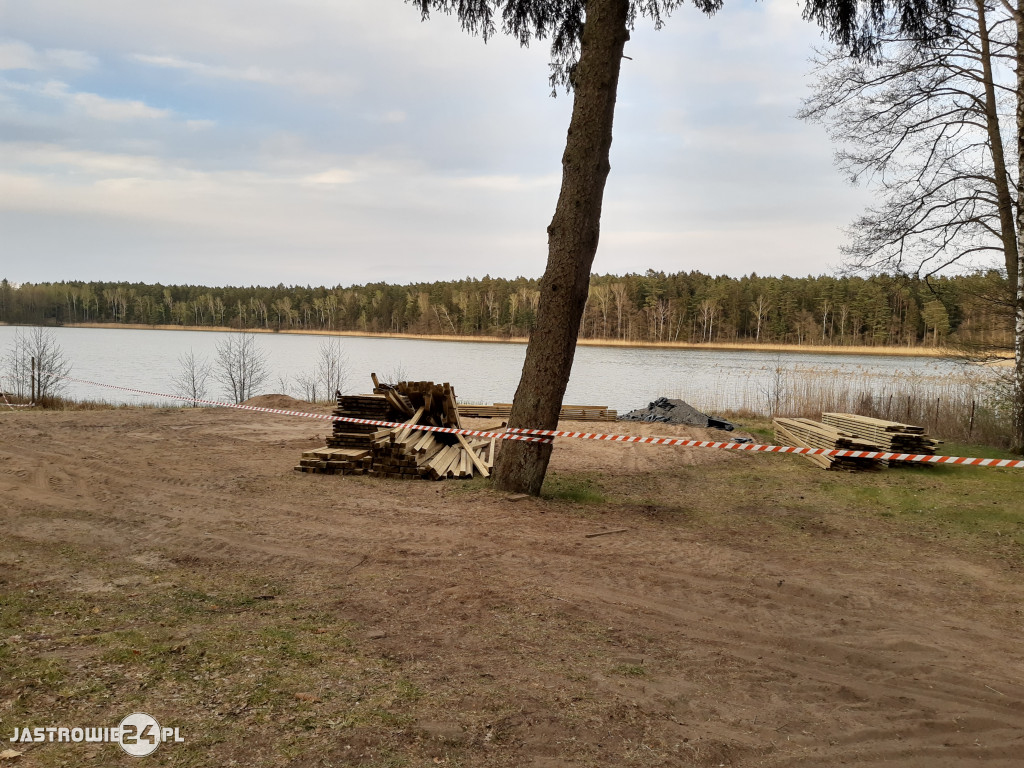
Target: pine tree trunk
[(572, 243)]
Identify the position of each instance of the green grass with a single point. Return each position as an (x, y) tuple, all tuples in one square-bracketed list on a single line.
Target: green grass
[(581, 489), (978, 502), (975, 451)]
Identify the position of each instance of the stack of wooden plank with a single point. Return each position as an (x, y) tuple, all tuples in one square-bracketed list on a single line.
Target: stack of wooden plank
[(437, 400), (432, 457), (362, 436), (350, 445), (805, 433), (568, 412), (401, 452), (335, 461), (890, 436)]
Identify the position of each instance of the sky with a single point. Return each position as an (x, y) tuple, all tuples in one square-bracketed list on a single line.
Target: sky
[(340, 142)]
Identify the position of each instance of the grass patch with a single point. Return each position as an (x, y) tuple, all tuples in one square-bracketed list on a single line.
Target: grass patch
[(974, 502), (581, 489), (975, 451)]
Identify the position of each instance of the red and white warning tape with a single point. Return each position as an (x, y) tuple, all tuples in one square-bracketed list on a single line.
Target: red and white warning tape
[(921, 458), (15, 405), (548, 435), (322, 416)]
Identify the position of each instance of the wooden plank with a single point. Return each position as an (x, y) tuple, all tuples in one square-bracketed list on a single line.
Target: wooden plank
[(439, 464), (453, 465), (481, 466), (405, 434), (423, 459), (604, 533), (790, 439), (398, 403), (424, 441), (452, 406)]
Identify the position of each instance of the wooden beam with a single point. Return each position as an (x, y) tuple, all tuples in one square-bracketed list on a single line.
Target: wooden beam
[(481, 466)]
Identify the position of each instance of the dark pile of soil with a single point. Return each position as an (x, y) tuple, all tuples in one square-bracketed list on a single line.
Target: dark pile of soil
[(675, 412)]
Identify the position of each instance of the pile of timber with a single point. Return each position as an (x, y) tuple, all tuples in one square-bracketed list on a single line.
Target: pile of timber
[(567, 413), (401, 452), (890, 436), (805, 433)]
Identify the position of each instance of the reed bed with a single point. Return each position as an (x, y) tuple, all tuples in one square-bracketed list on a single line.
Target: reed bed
[(971, 405)]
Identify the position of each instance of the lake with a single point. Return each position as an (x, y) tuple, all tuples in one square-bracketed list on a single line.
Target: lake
[(481, 372)]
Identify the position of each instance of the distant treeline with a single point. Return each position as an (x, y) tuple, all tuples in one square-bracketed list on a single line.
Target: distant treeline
[(651, 307)]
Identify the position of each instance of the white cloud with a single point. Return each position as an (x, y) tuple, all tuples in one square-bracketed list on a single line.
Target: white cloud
[(56, 158), (508, 183), (332, 176), (116, 110), (309, 81), (67, 59), (101, 108), (290, 136), (16, 54)]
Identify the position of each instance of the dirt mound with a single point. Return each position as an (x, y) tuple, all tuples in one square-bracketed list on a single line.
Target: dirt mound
[(283, 402), (675, 412)]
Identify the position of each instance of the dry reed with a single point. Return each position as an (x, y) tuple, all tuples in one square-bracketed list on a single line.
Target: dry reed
[(970, 405)]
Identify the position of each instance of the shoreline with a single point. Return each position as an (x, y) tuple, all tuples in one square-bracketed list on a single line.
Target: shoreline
[(887, 351)]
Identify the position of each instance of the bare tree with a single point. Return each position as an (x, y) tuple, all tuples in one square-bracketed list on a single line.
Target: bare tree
[(328, 375), (51, 365), (193, 377), (760, 307), (332, 366), (925, 125), (396, 374), (240, 366)]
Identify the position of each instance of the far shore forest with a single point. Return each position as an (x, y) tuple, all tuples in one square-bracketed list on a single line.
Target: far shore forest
[(688, 307)]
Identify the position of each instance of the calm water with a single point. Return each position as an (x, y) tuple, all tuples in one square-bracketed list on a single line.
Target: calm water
[(481, 373)]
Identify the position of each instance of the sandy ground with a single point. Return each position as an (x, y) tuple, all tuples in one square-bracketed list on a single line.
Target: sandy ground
[(683, 641)]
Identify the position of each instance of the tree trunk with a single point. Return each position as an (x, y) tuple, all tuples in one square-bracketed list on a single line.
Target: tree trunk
[(572, 243), (1018, 339), (1004, 202)]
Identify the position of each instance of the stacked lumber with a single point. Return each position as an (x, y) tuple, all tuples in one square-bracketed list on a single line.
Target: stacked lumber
[(805, 433), (567, 412), (334, 461), (401, 452), (437, 400), (361, 436), (890, 436)]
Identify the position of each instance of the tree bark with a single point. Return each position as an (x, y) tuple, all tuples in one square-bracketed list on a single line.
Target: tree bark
[(572, 243), (1018, 340), (1004, 202)]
